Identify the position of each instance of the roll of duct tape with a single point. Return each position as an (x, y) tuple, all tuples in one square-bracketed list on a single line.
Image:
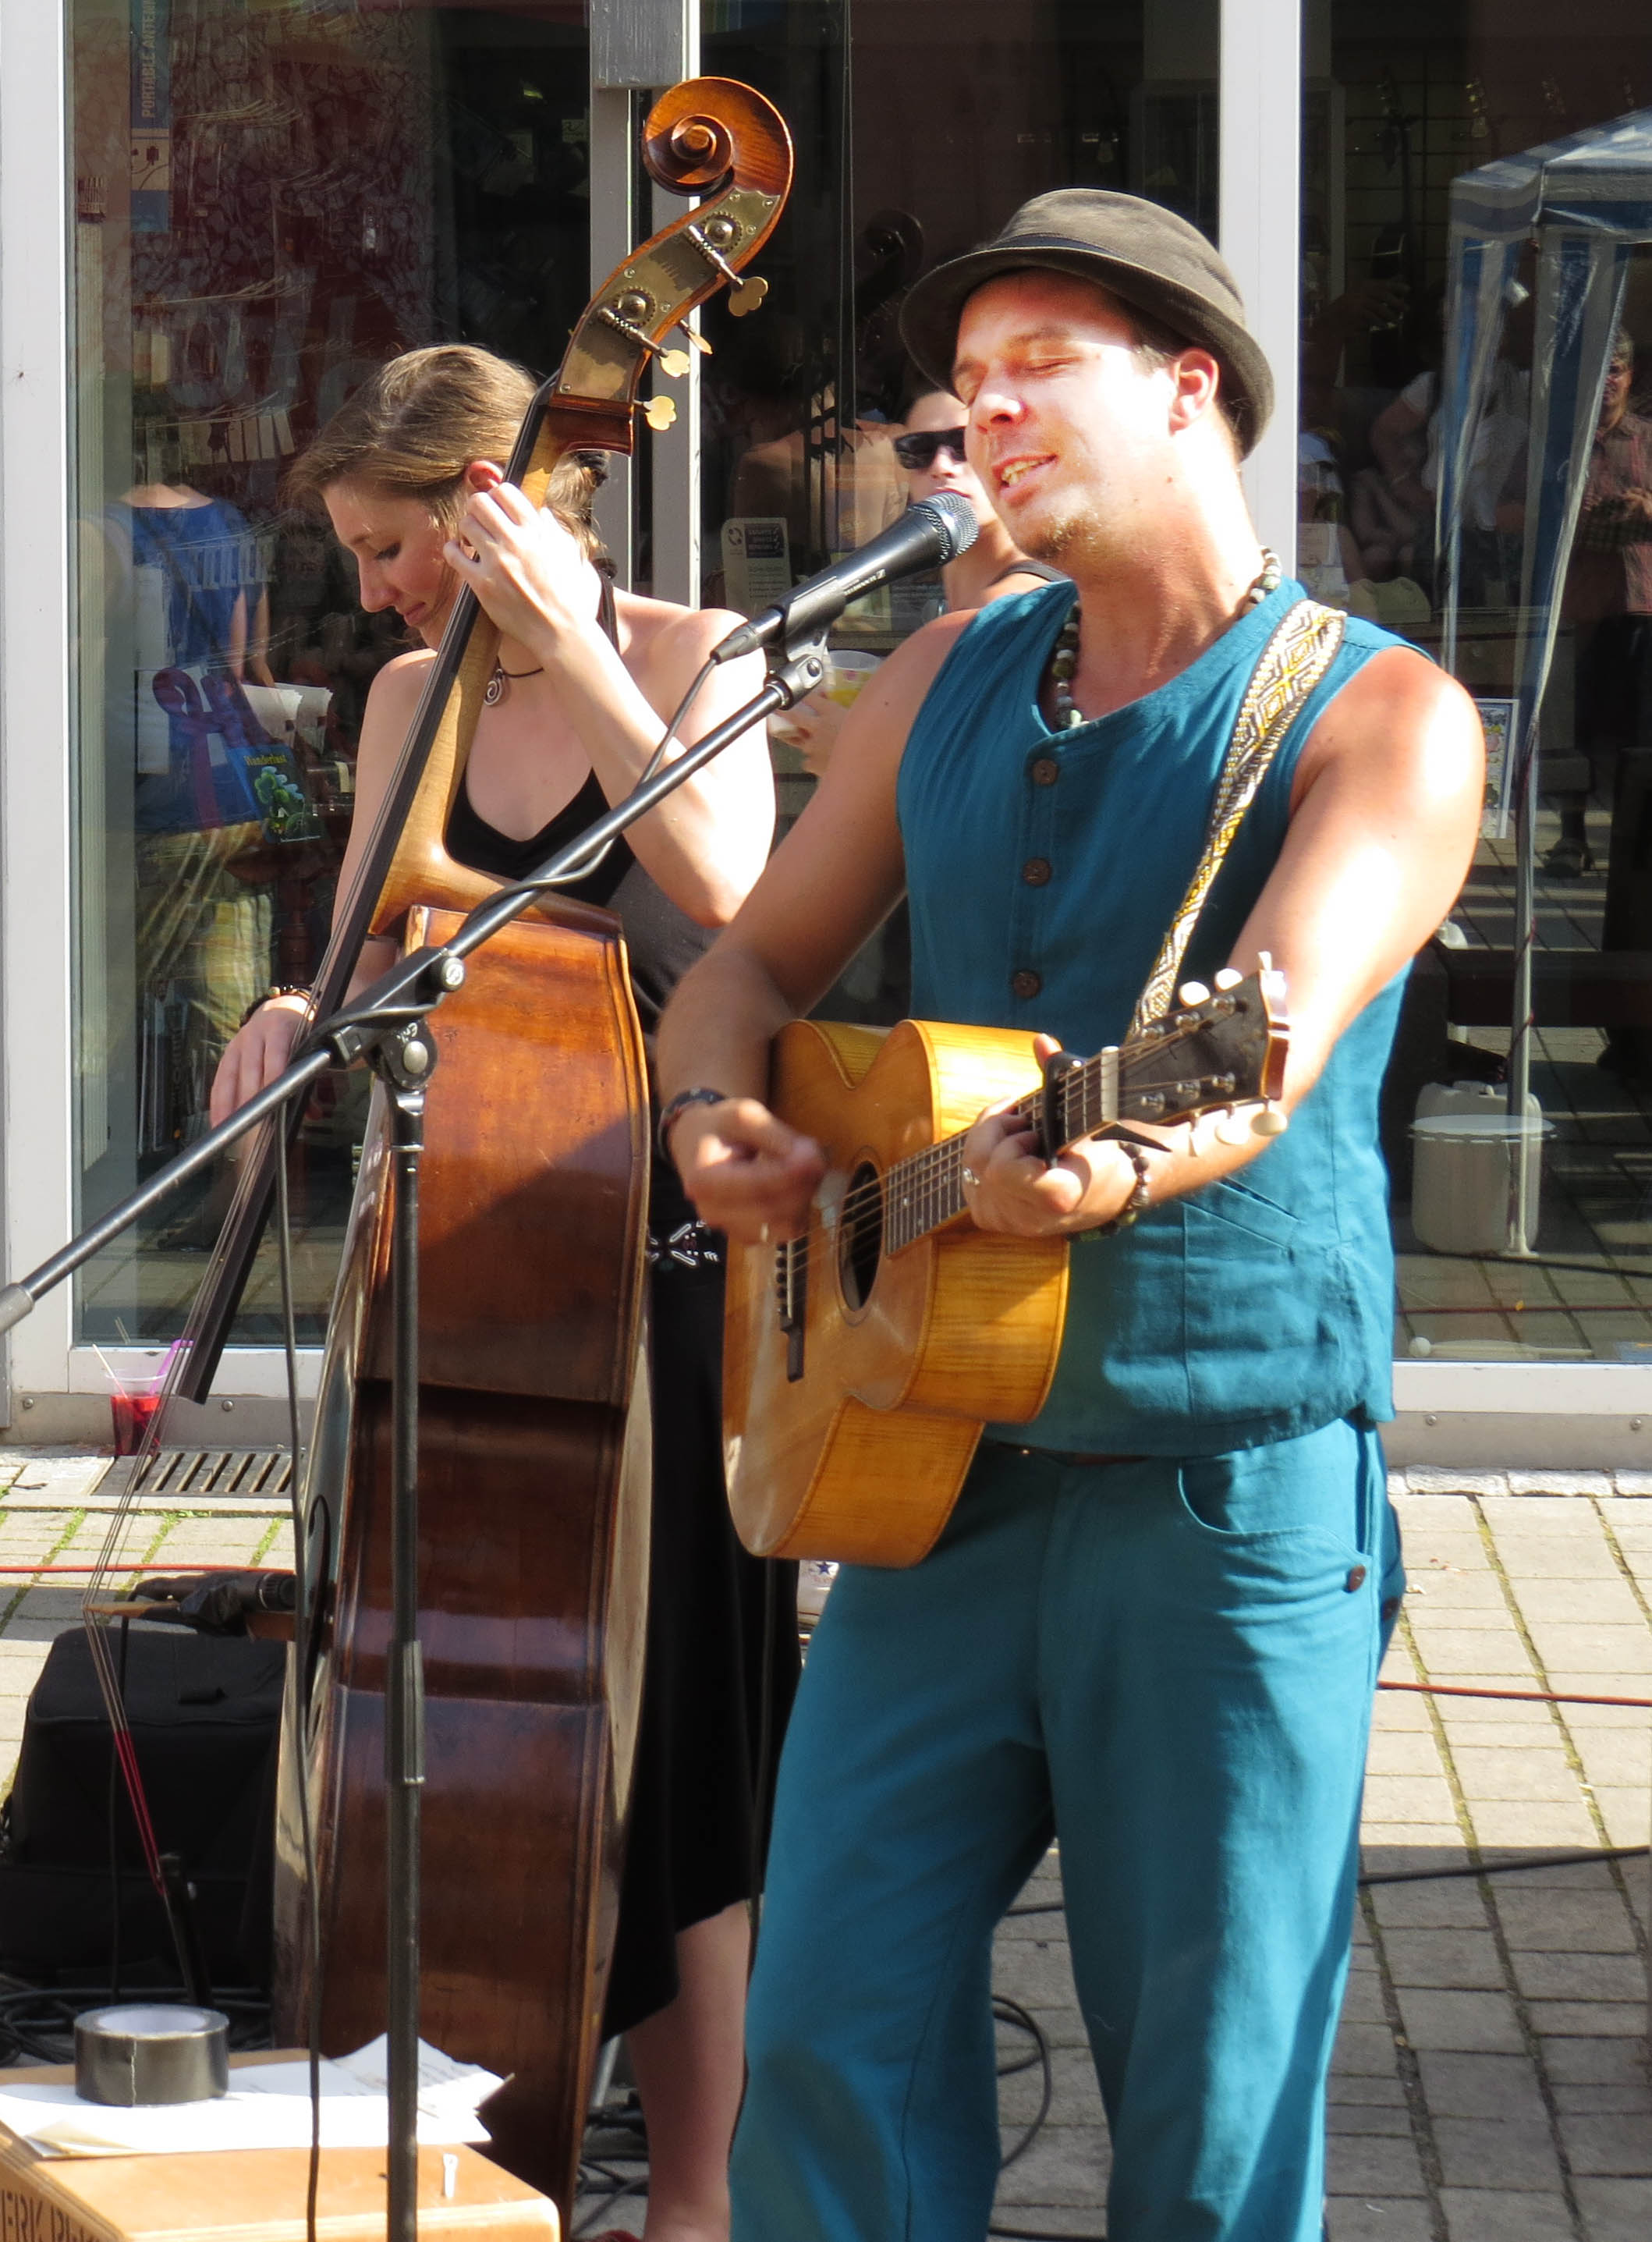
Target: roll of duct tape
[(152, 2053)]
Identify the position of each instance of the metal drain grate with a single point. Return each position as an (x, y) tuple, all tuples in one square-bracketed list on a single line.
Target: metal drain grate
[(190, 1475)]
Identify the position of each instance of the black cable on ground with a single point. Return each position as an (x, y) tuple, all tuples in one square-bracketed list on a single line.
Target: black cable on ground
[(1011, 2013), (38, 2022), (1507, 1868)]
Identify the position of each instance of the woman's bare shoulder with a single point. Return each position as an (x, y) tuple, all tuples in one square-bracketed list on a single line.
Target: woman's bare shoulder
[(401, 680), (659, 628)]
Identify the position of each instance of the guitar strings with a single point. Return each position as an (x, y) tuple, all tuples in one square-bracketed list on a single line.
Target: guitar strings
[(924, 1177)]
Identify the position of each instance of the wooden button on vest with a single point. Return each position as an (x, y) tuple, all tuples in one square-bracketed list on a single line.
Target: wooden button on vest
[(1356, 1580), (1036, 871), (1044, 770), (1025, 982)]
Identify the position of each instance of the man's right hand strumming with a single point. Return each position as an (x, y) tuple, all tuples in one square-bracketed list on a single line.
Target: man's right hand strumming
[(748, 1173)]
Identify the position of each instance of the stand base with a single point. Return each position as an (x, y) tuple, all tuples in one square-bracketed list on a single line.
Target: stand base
[(255, 2194)]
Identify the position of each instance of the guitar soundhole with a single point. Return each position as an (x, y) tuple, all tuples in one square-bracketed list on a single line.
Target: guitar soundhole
[(859, 1240)]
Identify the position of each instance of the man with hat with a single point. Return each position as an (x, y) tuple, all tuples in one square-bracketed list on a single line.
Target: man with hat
[(1153, 1626)]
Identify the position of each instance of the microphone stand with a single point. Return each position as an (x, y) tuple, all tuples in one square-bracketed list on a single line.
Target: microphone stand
[(384, 1030)]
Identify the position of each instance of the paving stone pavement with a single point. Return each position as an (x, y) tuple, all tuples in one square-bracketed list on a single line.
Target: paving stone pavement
[(1490, 2080)]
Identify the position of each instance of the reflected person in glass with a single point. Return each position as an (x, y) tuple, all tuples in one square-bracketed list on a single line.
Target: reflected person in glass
[(586, 676), (931, 451), (1607, 601)]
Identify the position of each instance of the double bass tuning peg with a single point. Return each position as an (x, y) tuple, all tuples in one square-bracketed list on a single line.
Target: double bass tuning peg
[(747, 296), (660, 413)]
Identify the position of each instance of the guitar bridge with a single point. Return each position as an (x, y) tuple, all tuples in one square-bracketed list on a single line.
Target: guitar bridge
[(791, 1291)]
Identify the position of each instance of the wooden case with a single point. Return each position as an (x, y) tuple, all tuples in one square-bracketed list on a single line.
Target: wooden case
[(250, 2195)]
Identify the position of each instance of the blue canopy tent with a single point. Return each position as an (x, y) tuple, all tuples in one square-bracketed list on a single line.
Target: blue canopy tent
[(1585, 202)]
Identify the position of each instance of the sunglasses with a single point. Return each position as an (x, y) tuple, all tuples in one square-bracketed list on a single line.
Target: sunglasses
[(917, 452)]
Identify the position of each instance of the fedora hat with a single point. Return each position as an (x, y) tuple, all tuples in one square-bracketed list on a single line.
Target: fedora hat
[(1139, 252)]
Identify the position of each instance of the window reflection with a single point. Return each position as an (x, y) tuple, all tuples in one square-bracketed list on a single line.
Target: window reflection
[(1515, 1112), (272, 199)]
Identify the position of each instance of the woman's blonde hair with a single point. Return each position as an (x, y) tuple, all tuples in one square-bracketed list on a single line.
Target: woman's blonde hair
[(413, 428)]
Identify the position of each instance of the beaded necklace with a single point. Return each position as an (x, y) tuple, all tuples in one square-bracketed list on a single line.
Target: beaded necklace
[(1064, 656)]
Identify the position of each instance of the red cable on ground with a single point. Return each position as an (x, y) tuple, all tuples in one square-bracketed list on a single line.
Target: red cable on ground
[(1515, 1696)]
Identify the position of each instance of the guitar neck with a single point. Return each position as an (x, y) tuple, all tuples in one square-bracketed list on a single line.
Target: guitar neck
[(925, 1191), (1209, 1053)]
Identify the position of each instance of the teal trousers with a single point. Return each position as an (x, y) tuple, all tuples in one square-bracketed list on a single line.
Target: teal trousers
[(1167, 1667)]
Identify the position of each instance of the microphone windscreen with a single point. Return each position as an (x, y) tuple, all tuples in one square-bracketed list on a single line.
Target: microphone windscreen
[(956, 517)]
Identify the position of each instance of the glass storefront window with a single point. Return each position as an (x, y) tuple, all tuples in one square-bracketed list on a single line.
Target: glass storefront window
[(1519, 1237), (271, 197)]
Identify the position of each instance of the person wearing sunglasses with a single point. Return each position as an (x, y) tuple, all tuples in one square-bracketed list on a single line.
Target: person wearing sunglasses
[(931, 451)]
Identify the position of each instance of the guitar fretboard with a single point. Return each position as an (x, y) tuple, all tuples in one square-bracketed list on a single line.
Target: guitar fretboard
[(925, 1190)]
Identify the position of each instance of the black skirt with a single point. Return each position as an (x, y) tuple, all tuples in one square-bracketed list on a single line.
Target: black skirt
[(721, 1670)]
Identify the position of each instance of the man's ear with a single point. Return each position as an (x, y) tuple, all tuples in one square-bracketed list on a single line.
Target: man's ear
[(1198, 382)]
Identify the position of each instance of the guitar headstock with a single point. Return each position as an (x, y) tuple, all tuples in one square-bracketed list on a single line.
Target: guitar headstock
[(1216, 1049)]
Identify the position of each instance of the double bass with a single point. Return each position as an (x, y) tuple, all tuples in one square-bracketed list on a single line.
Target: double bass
[(533, 1408)]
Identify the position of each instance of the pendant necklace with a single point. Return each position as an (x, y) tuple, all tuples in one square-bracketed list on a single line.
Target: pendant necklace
[(1064, 656), (500, 683)]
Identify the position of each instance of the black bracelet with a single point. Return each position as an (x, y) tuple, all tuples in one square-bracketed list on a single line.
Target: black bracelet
[(676, 1107), (281, 989), (1141, 1195)]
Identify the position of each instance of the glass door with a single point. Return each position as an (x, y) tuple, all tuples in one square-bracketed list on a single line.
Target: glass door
[(1523, 1221)]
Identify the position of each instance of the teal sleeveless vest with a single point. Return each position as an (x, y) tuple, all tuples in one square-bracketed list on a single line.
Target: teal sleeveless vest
[(1043, 870)]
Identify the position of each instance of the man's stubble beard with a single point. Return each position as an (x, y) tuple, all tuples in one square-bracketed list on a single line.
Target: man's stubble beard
[(1066, 539)]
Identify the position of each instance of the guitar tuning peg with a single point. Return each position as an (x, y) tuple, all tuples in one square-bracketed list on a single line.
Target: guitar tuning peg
[(675, 363), (1270, 1122), (1193, 992), (1265, 960), (1227, 978), (660, 412), (1204, 1130), (747, 296), (1233, 1127)]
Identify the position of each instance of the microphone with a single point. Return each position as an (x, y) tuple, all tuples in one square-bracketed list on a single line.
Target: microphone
[(927, 535)]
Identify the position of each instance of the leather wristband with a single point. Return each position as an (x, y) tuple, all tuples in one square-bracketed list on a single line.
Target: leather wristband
[(673, 1110), (1141, 1195)]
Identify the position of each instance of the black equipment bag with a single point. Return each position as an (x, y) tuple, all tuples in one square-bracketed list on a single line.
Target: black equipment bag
[(205, 1713)]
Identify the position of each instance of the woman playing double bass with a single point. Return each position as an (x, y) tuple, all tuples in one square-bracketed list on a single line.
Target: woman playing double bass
[(585, 680)]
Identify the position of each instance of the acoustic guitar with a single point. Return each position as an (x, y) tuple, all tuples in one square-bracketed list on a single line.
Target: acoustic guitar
[(862, 1360)]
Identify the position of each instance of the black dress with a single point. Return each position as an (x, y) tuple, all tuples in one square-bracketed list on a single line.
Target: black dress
[(717, 1681)]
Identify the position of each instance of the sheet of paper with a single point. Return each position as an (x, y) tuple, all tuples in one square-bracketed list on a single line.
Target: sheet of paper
[(267, 2107)]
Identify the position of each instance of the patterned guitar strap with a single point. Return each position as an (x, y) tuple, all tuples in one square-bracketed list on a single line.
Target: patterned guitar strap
[(1293, 663)]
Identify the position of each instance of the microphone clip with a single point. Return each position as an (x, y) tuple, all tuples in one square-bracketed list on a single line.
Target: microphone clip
[(796, 661)]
